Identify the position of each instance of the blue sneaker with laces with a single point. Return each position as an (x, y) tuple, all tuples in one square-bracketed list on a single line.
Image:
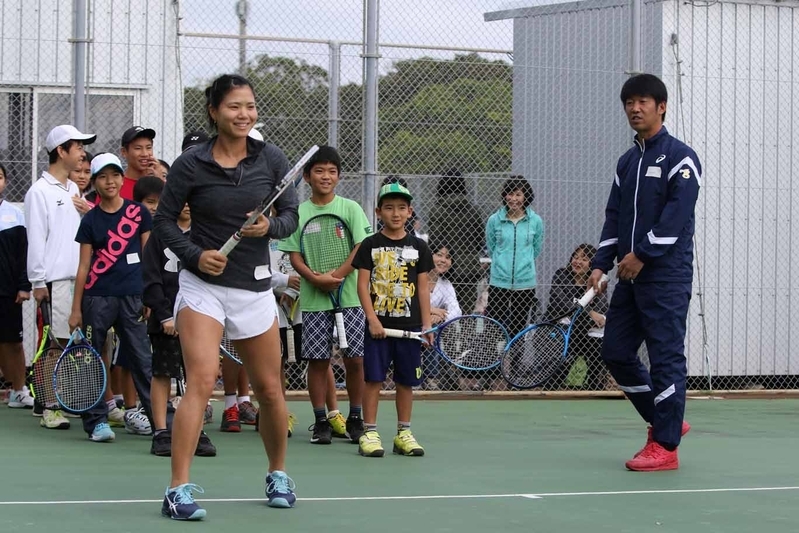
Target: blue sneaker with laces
[(179, 504), (280, 490), (102, 433)]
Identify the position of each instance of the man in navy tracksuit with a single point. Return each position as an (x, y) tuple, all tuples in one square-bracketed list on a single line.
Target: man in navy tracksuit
[(649, 229)]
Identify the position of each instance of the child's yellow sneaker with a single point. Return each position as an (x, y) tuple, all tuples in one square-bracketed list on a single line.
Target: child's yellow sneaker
[(369, 445), (338, 424), (405, 444)]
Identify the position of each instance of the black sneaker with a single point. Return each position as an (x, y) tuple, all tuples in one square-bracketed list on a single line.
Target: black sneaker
[(38, 409), (162, 444), (322, 432), (204, 446), (355, 428)]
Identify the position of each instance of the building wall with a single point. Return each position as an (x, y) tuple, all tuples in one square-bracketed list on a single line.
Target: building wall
[(131, 79), (131, 68), (734, 102), (740, 83)]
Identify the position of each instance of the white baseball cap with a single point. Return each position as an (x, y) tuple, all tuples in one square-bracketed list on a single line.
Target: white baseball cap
[(255, 134), (101, 161), (61, 134)]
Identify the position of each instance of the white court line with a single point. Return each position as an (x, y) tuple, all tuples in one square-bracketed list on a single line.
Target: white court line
[(431, 497)]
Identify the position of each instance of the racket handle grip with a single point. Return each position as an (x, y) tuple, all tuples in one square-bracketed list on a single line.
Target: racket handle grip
[(342, 334), (591, 293), (400, 334), (229, 245), (292, 355)]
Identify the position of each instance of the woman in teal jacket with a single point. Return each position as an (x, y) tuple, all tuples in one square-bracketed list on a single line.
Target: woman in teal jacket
[(514, 236)]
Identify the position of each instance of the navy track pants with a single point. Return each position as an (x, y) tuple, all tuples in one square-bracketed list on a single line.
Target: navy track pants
[(654, 313)]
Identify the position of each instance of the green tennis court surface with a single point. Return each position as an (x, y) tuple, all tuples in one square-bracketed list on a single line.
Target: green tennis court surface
[(528, 466)]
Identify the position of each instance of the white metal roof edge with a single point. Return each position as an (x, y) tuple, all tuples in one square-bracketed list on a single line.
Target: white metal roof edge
[(585, 5)]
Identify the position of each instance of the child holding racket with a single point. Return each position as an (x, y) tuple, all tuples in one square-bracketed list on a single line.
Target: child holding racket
[(393, 288), (323, 261), (108, 285)]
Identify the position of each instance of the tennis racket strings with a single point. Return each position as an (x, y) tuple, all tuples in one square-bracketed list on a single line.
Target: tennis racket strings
[(536, 356), (80, 379), (472, 342)]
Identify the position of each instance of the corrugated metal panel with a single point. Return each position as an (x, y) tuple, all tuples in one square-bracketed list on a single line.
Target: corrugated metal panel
[(732, 65)]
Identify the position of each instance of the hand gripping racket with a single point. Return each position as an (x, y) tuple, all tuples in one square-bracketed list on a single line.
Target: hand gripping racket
[(537, 352), (289, 180), (470, 342), (43, 368), (290, 311), (325, 244), (80, 377)]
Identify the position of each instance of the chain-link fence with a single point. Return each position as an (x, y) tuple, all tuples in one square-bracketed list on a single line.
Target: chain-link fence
[(468, 97)]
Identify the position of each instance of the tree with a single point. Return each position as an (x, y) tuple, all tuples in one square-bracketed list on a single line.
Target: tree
[(433, 114)]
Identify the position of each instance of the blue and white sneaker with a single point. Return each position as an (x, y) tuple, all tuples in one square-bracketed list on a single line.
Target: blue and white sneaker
[(280, 490), (102, 433), (179, 504)]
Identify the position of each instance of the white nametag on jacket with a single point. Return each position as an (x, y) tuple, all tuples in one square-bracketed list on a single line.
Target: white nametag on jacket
[(9, 218), (653, 172), (133, 258), (262, 272), (410, 254)]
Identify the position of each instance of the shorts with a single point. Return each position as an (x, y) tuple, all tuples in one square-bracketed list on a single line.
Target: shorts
[(167, 356), (406, 354), (61, 293), (297, 333), (244, 314), (10, 321), (318, 334)]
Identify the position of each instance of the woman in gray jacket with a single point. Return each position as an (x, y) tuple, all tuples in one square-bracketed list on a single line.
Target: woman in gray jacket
[(222, 180)]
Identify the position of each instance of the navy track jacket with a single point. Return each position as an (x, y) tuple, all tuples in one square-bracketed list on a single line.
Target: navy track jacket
[(651, 210)]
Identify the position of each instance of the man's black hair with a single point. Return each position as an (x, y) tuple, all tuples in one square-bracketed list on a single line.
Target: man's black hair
[(645, 85)]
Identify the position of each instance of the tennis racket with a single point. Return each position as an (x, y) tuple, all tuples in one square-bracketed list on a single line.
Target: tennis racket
[(228, 350), (43, 367), (470, 342), (290, 311), (289, 180), (538, 352), (325, 244), (80, 377)]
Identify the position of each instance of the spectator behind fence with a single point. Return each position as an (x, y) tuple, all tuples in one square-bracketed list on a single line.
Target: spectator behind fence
[(443, 307), (568, 284), (514, 234), (455, 220)]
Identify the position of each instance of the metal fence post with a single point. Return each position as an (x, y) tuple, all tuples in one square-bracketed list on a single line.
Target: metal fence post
[(335, 77), (79, 62), (636, 8), (370, 57)]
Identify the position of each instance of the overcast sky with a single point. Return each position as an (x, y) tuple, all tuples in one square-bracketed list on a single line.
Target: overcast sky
[(442, 23)]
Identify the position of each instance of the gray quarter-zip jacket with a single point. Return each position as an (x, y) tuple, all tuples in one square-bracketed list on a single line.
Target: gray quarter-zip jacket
[(219, 200)]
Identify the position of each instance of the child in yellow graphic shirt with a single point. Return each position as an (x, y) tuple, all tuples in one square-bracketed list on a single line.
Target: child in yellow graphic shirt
[(393, 290)]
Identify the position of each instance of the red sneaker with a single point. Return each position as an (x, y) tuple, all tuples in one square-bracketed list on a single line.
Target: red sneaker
[(654, 458), (230, 420), (686, 427)]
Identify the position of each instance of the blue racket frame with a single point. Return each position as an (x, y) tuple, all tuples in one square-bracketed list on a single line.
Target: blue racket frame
[(442, 353), (72, 346), (566, 333)]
